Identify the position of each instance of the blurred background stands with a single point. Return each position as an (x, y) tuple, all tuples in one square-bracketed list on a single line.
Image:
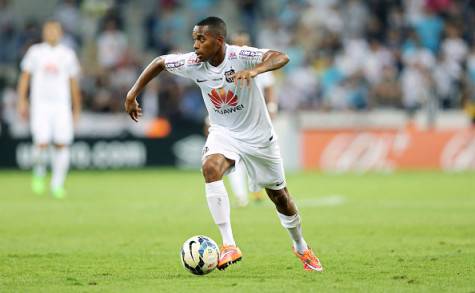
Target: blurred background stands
[(346, 55)]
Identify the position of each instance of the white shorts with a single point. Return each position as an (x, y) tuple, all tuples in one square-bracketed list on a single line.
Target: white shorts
[(263, 164), (51, 125)]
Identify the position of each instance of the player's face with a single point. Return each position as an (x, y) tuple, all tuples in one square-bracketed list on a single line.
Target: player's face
[(52, 32), (205, 43)]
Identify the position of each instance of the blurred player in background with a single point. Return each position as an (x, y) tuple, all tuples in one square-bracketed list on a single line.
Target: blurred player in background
[(241, 129), (53, 70), (265, 82)]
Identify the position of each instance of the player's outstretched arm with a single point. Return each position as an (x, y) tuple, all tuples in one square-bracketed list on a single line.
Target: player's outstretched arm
[(22, 91), (271, 60), (152, 70)]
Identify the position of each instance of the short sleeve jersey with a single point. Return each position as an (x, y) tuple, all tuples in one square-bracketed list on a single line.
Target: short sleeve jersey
[(51, 68), (239, 111)]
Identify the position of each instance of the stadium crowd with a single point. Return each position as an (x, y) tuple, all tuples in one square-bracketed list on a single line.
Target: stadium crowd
[(345, 54)]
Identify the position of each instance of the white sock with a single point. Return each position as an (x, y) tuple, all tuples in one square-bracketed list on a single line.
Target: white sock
[(237, 180), (294, 226), (218, 203), (226, 233), (60, 166), (40, 159)]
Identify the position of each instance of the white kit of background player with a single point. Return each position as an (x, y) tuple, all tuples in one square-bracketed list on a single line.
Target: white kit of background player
[(53, 70)]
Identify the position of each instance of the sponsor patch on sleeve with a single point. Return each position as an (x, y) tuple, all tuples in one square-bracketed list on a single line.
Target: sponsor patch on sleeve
[(193, 61), (175, 64), (250, 54)]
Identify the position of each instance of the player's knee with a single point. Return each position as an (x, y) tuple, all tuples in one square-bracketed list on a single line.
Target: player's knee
[(211, 170)]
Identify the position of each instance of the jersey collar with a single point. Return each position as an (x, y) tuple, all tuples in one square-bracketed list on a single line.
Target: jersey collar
[(219, 68)]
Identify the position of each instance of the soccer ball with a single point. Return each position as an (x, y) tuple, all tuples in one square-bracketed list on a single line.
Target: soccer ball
[(199, 255)]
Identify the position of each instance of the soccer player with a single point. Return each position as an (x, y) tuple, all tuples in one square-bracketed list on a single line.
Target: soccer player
[(240, 131), (53, 70)]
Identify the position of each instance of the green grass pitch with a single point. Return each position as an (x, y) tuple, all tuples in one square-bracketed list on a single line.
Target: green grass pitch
[(122, 231)]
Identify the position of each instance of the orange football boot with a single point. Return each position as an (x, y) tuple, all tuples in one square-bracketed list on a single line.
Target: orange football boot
[(228, 255), (309, 260)]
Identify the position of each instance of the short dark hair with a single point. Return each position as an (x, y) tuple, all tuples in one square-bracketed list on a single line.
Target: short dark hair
[(215, 24)]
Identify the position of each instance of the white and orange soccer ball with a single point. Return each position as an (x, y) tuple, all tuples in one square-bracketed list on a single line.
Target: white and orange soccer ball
[(199, 255)]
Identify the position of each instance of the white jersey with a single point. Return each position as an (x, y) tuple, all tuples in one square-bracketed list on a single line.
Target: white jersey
[(51, 69), (239, 112)]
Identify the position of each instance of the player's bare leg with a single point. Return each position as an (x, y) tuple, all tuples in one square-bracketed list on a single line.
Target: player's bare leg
[(60, 166), (40, 157), (214, 167), (290, 219)]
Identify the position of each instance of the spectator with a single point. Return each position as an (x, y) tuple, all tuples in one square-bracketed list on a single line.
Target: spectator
[(331, 76), (387, 92), (111, 45), (454, 47), (429, 29), (336, 46), (376, 59), (67, 13), (416, 79), (354, 16)]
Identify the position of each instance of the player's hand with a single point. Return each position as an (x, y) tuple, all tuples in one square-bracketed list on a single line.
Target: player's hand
[(133, 108), (244, 76), (22, 109)]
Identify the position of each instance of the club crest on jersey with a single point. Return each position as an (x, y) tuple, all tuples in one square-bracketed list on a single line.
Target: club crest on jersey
[(225, 102), (229, 75), (232, 56)]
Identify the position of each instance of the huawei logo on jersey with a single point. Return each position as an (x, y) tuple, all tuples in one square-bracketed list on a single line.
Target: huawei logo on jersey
[(219, 98), (224, 102)]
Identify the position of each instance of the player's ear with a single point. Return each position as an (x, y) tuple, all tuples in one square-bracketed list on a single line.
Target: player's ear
[(220, 39)]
